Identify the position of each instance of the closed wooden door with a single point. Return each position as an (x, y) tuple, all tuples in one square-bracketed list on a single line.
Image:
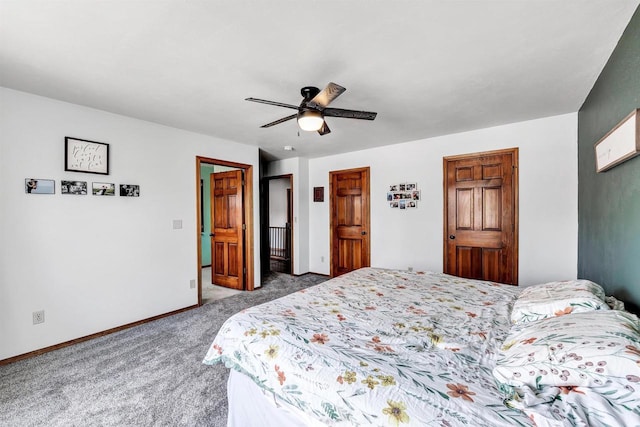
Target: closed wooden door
[(349, 226), (481, 216), (227, 250)]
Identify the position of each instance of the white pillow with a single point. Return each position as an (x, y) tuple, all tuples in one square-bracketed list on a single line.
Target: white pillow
[(584, 349), (556, 299)]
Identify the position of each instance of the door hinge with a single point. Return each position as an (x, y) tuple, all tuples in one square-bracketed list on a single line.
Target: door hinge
[(244, 226), (244, 270)]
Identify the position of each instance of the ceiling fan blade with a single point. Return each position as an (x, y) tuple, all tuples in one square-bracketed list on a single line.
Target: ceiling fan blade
[(277, 122), (277, 104), (324, 129), (327, 95), (349, 114)]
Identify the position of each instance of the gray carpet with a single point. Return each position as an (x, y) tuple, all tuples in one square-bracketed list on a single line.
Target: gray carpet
[(149, 375)]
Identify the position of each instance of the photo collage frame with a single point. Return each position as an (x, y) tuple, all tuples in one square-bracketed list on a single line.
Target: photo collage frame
[(403, 195)]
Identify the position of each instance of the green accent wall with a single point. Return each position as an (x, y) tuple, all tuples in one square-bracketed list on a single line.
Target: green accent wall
[(205, 172), (609, 202)]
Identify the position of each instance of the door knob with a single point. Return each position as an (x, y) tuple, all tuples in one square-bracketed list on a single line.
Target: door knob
[(212, 234), (452, 236), (363, 233)]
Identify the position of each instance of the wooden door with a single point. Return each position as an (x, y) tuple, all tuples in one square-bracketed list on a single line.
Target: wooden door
[(227, 251), (349, 226), (481, 216)]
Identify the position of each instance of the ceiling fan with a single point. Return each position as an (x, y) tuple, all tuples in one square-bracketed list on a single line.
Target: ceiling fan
[(314, 108)]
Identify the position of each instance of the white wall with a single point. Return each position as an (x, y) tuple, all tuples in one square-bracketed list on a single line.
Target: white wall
[(278, 202), (299, 168), (413, 237), (94, 263)]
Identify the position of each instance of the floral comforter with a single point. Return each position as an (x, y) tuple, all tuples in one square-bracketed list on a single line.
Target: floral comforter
[(379, 347)]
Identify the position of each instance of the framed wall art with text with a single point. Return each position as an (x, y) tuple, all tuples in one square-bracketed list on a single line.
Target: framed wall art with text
[(81, 155)]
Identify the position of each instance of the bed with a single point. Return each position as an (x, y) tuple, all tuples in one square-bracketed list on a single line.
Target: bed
[(389, 347)]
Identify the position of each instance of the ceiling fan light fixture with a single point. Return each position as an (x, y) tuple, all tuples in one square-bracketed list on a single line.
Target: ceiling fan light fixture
[(310, 120)]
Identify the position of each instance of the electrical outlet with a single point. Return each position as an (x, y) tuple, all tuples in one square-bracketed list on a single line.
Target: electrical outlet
[(177, 224), (192, 283), (38, 317), (321, 259), (410, 268)]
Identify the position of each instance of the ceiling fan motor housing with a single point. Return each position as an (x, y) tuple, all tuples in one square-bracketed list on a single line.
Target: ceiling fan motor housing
[(309, 92)]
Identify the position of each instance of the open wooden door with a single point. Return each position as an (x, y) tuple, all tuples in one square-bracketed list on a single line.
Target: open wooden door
[(481, 216), (227, 224), (349, 192)]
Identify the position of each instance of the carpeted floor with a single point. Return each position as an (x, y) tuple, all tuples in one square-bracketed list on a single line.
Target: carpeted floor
[(150, 375)]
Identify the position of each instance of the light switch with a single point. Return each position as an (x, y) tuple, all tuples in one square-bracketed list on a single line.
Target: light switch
[(177, 224)]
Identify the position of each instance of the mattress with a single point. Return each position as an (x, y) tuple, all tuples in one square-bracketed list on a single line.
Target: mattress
[(378, 347)]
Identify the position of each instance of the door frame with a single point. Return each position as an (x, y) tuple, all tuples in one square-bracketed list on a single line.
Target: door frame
[(265, 232), (367, 209), (515, 186), (247, 202)]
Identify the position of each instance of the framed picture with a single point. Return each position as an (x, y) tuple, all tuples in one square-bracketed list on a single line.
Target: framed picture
[(620, 144), (103, 189), (130, 190), (39, 186), (318, 194), (81, 155), (74, 187)]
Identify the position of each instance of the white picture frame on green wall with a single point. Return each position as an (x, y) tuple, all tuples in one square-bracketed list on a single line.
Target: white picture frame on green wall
[(620, 144)]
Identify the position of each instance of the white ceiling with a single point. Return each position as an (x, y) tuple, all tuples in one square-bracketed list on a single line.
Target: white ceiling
[(427, 67)]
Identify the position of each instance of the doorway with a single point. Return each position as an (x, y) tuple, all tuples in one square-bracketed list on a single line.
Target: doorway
[(481, 216), (215, 180), (350, 224), (277, 224)]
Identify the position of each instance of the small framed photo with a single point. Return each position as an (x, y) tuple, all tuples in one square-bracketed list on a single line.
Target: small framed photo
[(318, 194), (411, 186), (74, 187), (415, 195), (81, 155), (389, 197), (129, 190), (411, 204), (402, 187), (39, 186), (402, 204), (103, 189), (393, 204), (393, 187)]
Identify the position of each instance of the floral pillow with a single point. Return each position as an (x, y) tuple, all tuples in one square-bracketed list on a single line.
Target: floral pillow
[(556, 299), (585, 349)]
